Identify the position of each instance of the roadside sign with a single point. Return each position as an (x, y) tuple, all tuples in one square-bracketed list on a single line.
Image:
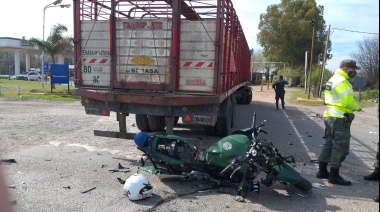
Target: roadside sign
[(360, 82), (59, 74), (46, 67)]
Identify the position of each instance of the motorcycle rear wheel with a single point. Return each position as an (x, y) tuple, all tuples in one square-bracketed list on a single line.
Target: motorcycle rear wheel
[(304, 185)]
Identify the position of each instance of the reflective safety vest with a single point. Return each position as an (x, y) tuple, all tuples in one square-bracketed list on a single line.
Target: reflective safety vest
[(339, 96)]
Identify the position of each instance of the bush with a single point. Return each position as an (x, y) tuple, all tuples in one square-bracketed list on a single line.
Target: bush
[(370, 95)]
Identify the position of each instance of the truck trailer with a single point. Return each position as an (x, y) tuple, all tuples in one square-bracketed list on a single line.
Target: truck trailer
[(161, 60)]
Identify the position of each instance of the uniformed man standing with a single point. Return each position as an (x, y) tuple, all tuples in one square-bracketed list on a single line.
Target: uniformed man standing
[(338, 116), (279, 88)]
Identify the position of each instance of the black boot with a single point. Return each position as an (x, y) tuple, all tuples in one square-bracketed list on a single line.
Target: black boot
[(374, 176), (322, 172), (376, 199), (335, 178)]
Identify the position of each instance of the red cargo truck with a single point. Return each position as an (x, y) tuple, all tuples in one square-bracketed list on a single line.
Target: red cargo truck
[(161, 60)]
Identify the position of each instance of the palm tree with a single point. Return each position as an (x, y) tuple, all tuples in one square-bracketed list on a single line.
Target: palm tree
[(56, 42)]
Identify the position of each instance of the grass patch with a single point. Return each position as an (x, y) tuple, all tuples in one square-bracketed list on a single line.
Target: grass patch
[(33, 90), (296, 92)]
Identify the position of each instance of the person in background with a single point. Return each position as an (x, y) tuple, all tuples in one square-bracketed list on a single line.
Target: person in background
[(279, 88), (338, 116)]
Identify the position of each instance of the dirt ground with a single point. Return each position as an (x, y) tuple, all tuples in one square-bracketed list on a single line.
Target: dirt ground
[(62, 166)]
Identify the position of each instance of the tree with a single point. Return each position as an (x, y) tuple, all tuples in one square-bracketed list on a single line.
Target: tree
[(56, 42), (285, 33), (368, 58), (257, 59)]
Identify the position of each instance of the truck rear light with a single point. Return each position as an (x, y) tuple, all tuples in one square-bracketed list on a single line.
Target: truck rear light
[(105, 112), (187, 119), (86, 100)]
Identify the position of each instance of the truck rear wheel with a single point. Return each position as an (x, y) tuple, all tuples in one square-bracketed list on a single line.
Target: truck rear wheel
[(156, 123), (223, 124), (249, 98), (233, 109), (142, 123), (210, 130)]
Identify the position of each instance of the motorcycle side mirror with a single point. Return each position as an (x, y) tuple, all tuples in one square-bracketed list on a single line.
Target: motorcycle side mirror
[(254, 121)]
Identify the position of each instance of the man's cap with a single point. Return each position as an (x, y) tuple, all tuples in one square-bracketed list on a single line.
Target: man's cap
[(349, 64)]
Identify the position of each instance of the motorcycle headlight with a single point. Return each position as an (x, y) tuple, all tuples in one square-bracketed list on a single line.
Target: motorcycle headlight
[(254, 153)]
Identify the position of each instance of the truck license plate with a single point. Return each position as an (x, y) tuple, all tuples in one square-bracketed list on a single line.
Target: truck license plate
[(202, 119), (92, 111)]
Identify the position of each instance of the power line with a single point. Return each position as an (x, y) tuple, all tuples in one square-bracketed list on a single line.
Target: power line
[(373, 33)]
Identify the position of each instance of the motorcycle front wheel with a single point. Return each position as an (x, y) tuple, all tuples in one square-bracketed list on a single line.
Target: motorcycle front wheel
[(304, 185)]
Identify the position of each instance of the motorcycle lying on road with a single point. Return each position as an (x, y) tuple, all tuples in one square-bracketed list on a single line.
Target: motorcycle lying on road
[(238, 159)]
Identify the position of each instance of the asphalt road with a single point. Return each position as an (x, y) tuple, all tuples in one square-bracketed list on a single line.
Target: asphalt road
[(59, 159)]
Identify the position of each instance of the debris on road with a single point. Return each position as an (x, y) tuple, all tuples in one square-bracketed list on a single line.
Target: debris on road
[(83, 192), (121, 181), (67, 187), (120, 168), (239, 199), (150, 169), (304, 196), (318, 185), (8, 161)]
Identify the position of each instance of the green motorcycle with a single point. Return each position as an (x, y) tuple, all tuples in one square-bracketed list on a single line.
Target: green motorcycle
[(238, 158)]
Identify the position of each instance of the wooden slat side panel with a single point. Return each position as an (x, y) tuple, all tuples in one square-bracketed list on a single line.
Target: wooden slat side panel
[(95, 53), (143, 51), (197, 56)]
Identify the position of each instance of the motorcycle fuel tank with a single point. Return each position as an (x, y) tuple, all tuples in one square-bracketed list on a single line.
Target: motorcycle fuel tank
[(224, 151)]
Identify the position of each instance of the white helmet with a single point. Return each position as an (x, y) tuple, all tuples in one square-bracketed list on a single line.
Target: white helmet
[(137, 187)]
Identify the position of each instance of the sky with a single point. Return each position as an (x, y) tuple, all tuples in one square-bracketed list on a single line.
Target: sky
[(25, 18)]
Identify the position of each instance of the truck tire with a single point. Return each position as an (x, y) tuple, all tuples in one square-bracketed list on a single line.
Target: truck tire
[(233, 109), (304, 185), (157, 123), (142, 123), (223, 124), (210, 130), (242, 100), (249, 99)]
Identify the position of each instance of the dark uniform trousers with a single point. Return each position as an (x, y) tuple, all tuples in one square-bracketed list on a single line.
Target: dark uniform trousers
[(280, 94), (337, 145)]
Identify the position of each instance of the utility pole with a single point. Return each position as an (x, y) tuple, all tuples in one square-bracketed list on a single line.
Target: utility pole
[(312, 23), (306, 59), (323, 64)]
